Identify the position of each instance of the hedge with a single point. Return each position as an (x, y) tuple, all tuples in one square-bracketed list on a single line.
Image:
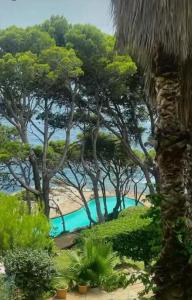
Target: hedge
[(130, 234)]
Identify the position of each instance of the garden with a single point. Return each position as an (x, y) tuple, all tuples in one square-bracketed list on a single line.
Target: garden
[(75, 121), (96, 152), (108, 256)]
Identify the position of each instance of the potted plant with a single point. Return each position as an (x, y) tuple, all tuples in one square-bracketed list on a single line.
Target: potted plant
[(61, 287), (95, 260), (83, 287)]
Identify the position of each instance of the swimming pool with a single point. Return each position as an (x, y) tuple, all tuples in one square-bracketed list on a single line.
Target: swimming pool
[(78, 218)]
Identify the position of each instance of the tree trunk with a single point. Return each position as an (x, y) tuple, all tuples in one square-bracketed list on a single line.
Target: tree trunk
[(28, 200), (188, 180), (86, 207), (118, 201), (123, 201), (172, 265), (97, 202), (60, 213), (103, 189), (36, 175), (45, 195), (33, 161)]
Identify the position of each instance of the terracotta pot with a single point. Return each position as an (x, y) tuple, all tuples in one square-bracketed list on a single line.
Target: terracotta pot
[(61, 294), (83, 289)]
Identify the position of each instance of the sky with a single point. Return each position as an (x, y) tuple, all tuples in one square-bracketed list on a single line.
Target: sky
[(25, 13)]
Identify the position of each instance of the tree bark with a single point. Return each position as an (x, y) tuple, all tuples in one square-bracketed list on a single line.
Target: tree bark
[(172, 265), (103, 189), (118, 200), (45, 195), (188, 180), (86, 207), (60, 213), (32, 159), (97, 201), (94, 175)]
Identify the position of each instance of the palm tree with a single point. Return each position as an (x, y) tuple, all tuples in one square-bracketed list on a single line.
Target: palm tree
[(158, 33)]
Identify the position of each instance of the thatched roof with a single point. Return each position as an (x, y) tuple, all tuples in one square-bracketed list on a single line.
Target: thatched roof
[(143, 24)]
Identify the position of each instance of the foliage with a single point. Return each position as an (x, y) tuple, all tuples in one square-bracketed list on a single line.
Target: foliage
[(7, 289), (63, 63), (18, 229), (154, 213), (109, 148), (65, 263), (101, 65), (30, 88), (95, 261), (89, 43), (57, 27), (114, 281), (62, 261), (36, 40), (64, 69), (19, 71), (32, 271), (148, 282), (59, 282), (10, 146), (14, 40), (130, 234)]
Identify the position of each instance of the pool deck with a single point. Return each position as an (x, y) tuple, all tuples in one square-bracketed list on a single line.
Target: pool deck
[(69, 200)]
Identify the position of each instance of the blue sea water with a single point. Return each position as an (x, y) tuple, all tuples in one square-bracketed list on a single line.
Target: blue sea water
[(78, 219)]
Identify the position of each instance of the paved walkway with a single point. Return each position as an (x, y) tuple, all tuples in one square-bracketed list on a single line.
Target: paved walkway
[(130, 293)]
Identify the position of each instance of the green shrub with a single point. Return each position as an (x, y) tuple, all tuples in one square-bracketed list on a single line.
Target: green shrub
[(18, 229), (130, 234), (60, 282), (114, 281), (95, 261), (32, 271), (7, 289), (62, 261), (154, 213), (133, 212)]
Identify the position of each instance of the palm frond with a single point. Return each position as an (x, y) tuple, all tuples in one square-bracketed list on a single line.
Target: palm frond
[(142, 25), (95, 260)]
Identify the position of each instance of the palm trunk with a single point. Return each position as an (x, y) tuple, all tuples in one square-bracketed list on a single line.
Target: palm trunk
[(188, 187), (173, 262), (188, 180)]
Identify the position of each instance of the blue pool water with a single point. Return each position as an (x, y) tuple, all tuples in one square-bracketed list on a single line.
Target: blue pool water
[(78, 219)]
